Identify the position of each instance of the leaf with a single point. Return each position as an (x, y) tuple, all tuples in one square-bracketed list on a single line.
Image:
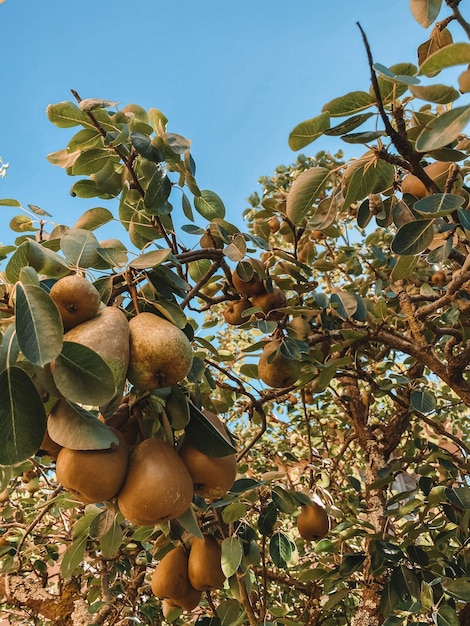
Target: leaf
[(209, 205), (73, 556), (67, 115), (404, 267), (391, 76), (91, 161), (323, 214), (232, 553), (446, 616), (438, 205), (413, 238), (234, 512), (22, 417), (43, 260), (143, 144), (38, 324), (236, 250), (306, 132), (9, 202), (345, 303), (458, 588), (150, 259), (453, 54), (441, 94), (90, 104), (205, 437), (283, 500), (111, 541), (280, 549), (82, 376), (188, 521), (351, 563), (348, 125), (267, 519), (93, 219), (157, 192), (304, 191), (425, 11), (73, 427), (348, 104), (444, 129), (80, 247), (9, 348)]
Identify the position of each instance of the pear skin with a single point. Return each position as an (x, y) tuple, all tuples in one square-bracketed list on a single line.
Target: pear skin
[(204, 568)]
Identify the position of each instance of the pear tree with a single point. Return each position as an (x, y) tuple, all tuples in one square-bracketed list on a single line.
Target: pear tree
[(262, 423)]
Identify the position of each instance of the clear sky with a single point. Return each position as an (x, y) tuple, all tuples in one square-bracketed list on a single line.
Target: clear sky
[(234, 77)]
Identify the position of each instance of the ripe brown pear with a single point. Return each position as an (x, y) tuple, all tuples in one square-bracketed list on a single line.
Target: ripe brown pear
[(248, 288), (93, 475), (76, 298), (160, 353), (438, 171), (313, 522), (233, 312), (204, 568), (170, 580), (270, 301), (157, 487), (212, 476), (280, 371)]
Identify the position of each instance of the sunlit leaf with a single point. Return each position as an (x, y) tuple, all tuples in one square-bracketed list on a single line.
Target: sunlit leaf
[(348, 104), (90, 104), (39, 327), (22, 417), (348, 125), (323, 214), (73, 556), (454, 54), (425, 11), (444, 129), (111, 541), (232, 553), (189, 522), (150, 259), (94, 218), (306, 132), (79, 247), (304, 191), (209, 205), (441, 94), (67, 115), (388, 74)]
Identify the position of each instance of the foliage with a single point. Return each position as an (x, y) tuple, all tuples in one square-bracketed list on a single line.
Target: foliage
[(377, 301)]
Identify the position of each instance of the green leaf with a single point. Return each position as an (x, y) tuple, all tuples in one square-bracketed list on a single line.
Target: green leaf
[(91, 161), (283, 500), (91, 104), (267, 519), (82, 376), (150, 259), (9, 348), (348, 104), (38, 324), (306, 132), (365, 137), (72, 426), (391, 76), (188, 521), (232, 553), (209, 205), (413, 237), (280, 549), (236, 250), (198, 269), (458, 588), (304, 191), (80, 247), (446, 616), (22, 417), (351, 563), (93, 219), (348, 125), (438, 205), (453, 54), (234, 512), (143, 144), (323, 214), (43, 260), (67, 115), (111, 541), (440, 94), (371, 176), (73, 556), (423, 401), (205, 437), (425, 11), (444, 129), (157, 192), (345, 303), (9, 202)]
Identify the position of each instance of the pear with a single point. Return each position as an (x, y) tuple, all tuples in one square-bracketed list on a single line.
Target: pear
[(212, 477), (160, 353), (313, 522), (248, 288), (76, 298), (93, 475), (204, 568), (438, 171), (157, 487), (269, 301), (107, 333), (278, 371), (170, 580), (234, 310)]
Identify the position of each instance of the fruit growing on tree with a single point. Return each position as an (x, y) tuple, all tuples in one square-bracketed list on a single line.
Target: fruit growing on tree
[(160, 353), (250, 285), (170, 580), (204, 568), (275, 369), (93, 475), (233, 312), (76, 298), (269, 301), (313, 522), (157, 487)]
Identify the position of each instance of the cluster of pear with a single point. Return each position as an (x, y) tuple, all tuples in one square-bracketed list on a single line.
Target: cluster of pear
[(152, 480), (438, 171), (182, 575)]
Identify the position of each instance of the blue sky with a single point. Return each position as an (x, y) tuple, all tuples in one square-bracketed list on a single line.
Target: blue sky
[(234, 77)]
